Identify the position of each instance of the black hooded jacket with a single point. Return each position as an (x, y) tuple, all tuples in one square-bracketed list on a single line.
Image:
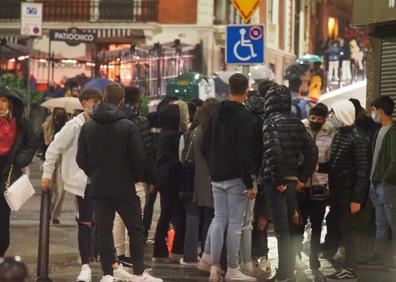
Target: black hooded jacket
[(144, 129), (110, 152), (167, 161), (229, 144), (288, 150), (25, 145), (349, 165)]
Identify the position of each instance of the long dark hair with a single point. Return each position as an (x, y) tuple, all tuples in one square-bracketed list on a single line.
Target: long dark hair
[(203, 116)]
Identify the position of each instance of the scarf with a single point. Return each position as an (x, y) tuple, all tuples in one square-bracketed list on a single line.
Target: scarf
[(8, 134)]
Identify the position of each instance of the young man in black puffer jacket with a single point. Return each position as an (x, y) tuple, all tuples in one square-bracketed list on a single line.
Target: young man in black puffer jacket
[(131, 108), (289, 159), (349, 181)]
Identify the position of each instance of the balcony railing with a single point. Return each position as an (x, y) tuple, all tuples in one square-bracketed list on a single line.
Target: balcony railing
[(87, 10)]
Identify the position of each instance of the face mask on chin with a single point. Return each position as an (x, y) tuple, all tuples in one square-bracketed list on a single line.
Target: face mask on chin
[(375, 118), (4, 114)]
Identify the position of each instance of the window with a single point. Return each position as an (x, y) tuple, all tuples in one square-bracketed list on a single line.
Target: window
[(271, 11)]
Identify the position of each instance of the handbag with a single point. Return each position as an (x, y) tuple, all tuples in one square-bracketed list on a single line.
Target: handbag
[(17, 194), (317, 193), (186, 189)]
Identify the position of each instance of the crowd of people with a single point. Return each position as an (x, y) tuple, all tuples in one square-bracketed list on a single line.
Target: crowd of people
[(224, 170)]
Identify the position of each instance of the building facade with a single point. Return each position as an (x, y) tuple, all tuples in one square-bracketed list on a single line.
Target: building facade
[(293, 28)]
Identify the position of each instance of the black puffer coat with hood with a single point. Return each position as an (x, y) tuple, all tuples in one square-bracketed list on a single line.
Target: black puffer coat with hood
[(111, 152), (288, 150), (230, 145), (349, 158), (144, 129), (25, 145)]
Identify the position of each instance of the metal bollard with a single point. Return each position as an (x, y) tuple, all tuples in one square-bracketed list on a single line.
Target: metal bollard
[(44, 232)]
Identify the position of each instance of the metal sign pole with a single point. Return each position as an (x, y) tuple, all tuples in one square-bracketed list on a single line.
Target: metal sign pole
[(44, 234), (49, 60)]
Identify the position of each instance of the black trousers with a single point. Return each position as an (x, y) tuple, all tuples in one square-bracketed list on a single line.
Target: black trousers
[(130, 212), (260, 237), (4, 225), (172, 208), (85, 222), (281, 206), (315, 211), (341, 214), (148, 211)]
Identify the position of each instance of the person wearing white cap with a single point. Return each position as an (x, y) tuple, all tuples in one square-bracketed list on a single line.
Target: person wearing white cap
[(349, 181)]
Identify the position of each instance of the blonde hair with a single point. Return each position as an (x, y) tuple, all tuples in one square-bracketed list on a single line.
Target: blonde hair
[(184, 115)]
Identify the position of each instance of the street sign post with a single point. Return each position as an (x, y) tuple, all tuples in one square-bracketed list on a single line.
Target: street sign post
[(245, 44), (246, 8), (31, 19)]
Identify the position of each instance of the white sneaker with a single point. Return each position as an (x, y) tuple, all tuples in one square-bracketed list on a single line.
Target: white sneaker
[(215, 274), (107, 278), (182, 262), (250, 270), (85, 274), (146, 278), (265, 265), (203, 263), (120, 274), (234, 274)]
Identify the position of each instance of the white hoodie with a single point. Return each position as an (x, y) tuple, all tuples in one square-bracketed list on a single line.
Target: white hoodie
[(65, 145), (344, 112)]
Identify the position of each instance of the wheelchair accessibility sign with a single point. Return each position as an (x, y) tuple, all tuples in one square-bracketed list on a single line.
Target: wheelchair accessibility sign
[(245, 44)]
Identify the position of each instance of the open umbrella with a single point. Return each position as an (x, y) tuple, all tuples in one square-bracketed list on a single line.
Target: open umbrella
[(98, 83), (261, 72), (295, 71), (309, 58), (70, 104)]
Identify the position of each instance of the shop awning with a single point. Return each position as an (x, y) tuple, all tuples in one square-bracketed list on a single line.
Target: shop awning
[(117, 35)]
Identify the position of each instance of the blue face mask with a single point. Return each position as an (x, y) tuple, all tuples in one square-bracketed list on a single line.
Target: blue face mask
[(374, 117)]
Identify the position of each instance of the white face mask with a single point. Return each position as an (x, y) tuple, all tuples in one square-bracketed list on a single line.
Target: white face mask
[(335, 122)]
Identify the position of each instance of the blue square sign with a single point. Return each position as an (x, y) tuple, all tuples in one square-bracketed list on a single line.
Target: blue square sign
[(245, 44)]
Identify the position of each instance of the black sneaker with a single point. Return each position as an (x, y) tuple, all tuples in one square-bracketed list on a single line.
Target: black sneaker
[(344, 274), (125, 261), (375, 262)]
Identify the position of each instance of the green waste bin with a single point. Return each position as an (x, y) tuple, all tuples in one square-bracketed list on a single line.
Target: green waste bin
[(189, 86)]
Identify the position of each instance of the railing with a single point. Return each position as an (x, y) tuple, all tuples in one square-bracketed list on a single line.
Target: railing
[(86, 10)]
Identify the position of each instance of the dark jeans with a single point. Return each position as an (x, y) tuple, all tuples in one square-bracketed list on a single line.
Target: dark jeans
[(85, 222), (333, 237), (260, 237), (172, 208), (4, 225), (346, 226), (194, 214), (315, 211), (148, 211), (130, 212), (259, 243), (281, 206)]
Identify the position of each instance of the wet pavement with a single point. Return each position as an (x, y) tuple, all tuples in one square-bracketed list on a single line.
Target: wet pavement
[(64, 258)]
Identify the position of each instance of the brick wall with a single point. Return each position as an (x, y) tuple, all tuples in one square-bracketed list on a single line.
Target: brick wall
[(177, 11)]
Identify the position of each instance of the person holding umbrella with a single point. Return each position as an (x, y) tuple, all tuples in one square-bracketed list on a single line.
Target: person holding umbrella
[(17, 148)]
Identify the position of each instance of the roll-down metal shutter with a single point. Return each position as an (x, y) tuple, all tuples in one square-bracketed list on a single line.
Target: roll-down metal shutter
[(388, 69)]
